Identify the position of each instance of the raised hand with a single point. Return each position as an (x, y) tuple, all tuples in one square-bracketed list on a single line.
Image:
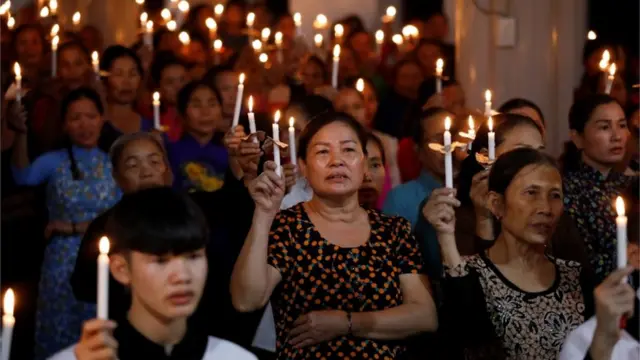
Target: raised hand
[(613, 299), (439, 210), (290, 175), (267, 190), (17, 119), (247, 154), (233, 138), (96, 341)]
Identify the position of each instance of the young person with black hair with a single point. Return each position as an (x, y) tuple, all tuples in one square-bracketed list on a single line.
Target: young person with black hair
[(599, 136), (159, 240), (79, 187), (526, 108), (512, 301)]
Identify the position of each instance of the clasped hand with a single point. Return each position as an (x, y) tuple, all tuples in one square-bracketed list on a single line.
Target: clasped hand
[(317, 327)]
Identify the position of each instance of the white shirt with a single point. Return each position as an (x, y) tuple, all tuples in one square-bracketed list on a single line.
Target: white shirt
[(217, 349), (579, 340)]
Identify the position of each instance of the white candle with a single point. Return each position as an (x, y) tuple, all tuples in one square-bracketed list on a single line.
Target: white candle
[(612, 75), (448, 160), (76, 20), (487, 103), (492, 140), (336, 61), (297, 19), (472, 127), (292, 141), (103, 279), (621, 225), (148, 35), (213, 28), (18, 73), (276, 137), (251, 18), (439, 67), (218, 10), (8, 322), (236, 112), (156, 111), (252, 118), (54, 55), (278, 40), (95, 61), (379, 41), (217, 49)]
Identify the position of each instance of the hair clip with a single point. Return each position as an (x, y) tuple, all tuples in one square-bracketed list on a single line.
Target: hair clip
[(484, 161), (450, 148), (266, 141)]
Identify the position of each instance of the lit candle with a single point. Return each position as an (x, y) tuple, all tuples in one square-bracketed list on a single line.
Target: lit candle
[(448, 160), (183, 7), (610, 78), (439, 67), (278, 40), (408, 32), (604, 60), (263, 58), (8, 322), (256, 45), (397, 39), (144, 17), (236, 112), (276, 137), (251, 19), (621, 225), (4, 8), (54, 55), (148, 35), (360, 85), (390, 15), (297, 19), (156, 111), (55, 29), (317, 39), (18, 72), (166, 14), (11, 22), (338, 32), (172, 25), (591, 35), (95, 61), (103, 279), (265, 34), (213, 28), (251, 116), (184, 38), (140, 2), (76, 19), (53, 6), (292, 141), (44, 12), (487, 103), (379, 41), (492, 140), (472, 127), (336, 61), (217, 49), (218, 10), (320, 23)]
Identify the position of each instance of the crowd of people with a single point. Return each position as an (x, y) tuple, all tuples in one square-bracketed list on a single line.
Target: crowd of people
[(223, 246)]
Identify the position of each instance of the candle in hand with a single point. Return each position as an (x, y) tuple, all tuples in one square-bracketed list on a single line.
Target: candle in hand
[(251, 18), (336, 61), (292, 141), (218, 10), (213, 28), (103, 279), (390, 15), (278, 40), (8, 322), (236, 112), (472, 127), (487, 103), (610, 78), (621, 225), (148, 35), (217, 49), (317, 39), (439, 67), (276, 138), (18, 72), (156, 111), (297, 19), (76, 19), (251, 116), (144, 17), (379, 41), (265, 34), (54, 55), (492, 140), (448, 160), (95, 61), (55, 29)]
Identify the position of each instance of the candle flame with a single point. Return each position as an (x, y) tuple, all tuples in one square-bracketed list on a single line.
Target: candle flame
[(487, 96), (592, 35), (612, 69), (241, 79), (55, 42), (338, 30), (391, 11), (278, 38), (55, 29), (183, 6), (472, 126), (165, 14), (53, 5), (604, 61), (447, 123), (439, 66), (94, 57), (490, 124), (321, 21), (76, 18), (184, 37), (140, 2), (317, 39), (104, 245), (172, 25), (397, 39), (291, 121), (17, 71), (211, 24), (219, 9), (251, 18), (263, 58), (266, 32), (257, 45), (360, 85), (276, 116), (11, 22), (149, 26), (620, 206), (44, 12), (4, 8), (297, 18), (336, 52), (144, 17), (9, 302), (379, 36), (217, 45), (156, 96), (250, 103)]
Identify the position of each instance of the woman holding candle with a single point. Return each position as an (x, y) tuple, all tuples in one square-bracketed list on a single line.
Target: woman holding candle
[(79, 186), (512, 301), (348, 316), (29, 46), (599, 135)]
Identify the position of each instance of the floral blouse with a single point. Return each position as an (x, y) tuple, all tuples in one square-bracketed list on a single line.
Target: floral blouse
[(317, 275), (589, 198), (492, 318)]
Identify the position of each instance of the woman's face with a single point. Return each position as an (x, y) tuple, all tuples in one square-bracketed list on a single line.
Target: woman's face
[(408, 79), (529, 112), (227, 85), (203, 112), (142, 165), (370, 101), (72, 67), (428, 54), (523, 135), (172, 79), (123, 81), (532, 204), (335, 163), (29, 48), (605, 136), (312, 76), (350, 101), (83, 123), (373, 183)]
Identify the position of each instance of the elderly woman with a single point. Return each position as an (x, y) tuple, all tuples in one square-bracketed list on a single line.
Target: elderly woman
[(512, 301), (343, 281)]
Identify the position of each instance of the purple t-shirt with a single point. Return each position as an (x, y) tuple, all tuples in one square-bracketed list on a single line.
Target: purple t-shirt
[(197, 167)]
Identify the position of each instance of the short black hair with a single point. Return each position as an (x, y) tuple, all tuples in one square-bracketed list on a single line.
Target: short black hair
[(426, 115), (519, 103), (158, 221), (325, 119), (75, 45), (184, 95), (163, 60), (372, 137), (509, 164), (115, 52), (212, 75)]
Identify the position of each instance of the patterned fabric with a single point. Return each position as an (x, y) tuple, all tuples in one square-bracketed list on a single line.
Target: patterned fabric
[(528, 325), (589, 198), (59, 315), (317, 275), (197, 167)]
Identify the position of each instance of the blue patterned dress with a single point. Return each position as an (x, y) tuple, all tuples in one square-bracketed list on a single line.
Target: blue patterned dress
[(59, 316)]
